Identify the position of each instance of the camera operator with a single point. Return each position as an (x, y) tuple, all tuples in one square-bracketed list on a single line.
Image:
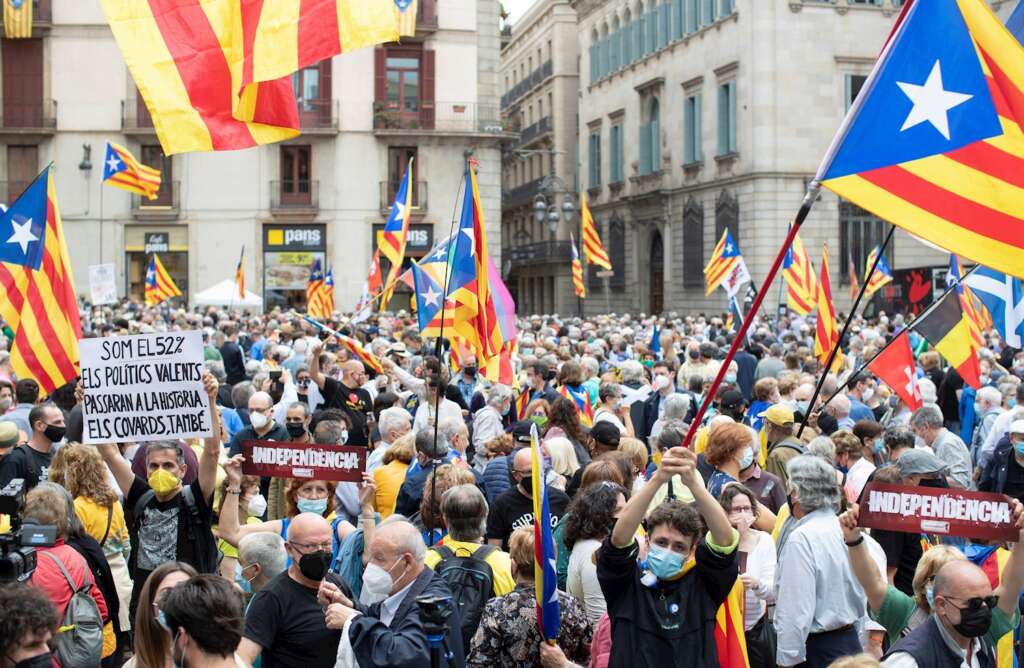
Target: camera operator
[(27, 622), (388, 629)]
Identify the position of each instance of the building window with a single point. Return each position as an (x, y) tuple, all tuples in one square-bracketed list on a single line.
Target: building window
[(594, 159), (153, 156), (398, 161), (23, 104), (403, 75), (727, 118), (615, 151), (615, 51), (296, 187), (664, 22), (22, 169), (651, 39), (594, 68), (404, 87), (313, 93), (726, 7), (708, 16), (854, 83), (693, 244), (650, 140), (678, 19), (727, 216), (691, 130), (617, 253), (859, 232), (692, 15)]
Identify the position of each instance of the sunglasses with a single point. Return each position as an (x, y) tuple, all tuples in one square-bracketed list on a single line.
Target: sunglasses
[(976, 602)]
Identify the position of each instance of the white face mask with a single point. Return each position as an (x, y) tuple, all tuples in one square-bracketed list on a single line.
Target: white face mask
[(257, 506), (661, 382), (377, 584), (867, 394), (258, 420)]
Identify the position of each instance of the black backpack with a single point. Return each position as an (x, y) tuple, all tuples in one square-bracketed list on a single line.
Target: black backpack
[(204, 547), (471, 580)]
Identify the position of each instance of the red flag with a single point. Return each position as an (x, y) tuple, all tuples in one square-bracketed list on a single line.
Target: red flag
[(895, 367)]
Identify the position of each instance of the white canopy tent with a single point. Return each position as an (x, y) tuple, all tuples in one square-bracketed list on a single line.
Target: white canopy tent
[(225, 293)]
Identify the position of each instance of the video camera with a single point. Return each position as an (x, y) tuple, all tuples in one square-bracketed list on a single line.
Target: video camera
[(18, 548)]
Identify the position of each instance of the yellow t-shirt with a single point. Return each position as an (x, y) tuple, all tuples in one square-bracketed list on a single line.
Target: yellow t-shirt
[(389, 479), (94, 519), (499, 561)]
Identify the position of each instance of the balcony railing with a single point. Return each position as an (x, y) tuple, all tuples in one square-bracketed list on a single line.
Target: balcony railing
[(9, 190), (135, 117), (442, 117), (426, 15), (535, 131), (532, 80), (520, 194), (318, 115), (165, 206), (538, 253), (42, 16), (388, 190), (37, 116), (294, 195)]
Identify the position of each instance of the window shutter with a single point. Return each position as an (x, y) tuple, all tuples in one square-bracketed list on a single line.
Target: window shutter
[(732, 116), (427, 90), (698, 131), (723, 119), (692, 15), (709, 12), (677, 19), (593, 63), (638, 38), (655, 145), (664, 25), (616, 57), (380, 74), (645, 149), (688, 130), (597, 161)]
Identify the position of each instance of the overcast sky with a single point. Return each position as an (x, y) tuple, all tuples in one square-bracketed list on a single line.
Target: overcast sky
[(517, 7)]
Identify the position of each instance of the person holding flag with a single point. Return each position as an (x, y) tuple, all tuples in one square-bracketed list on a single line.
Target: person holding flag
[(689, 575)]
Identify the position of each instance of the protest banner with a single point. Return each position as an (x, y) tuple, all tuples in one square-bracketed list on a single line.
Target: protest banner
[(311, 461), (147, 387), (102, 286), (942, 511)]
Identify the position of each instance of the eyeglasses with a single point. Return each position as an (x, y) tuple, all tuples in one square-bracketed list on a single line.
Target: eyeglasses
[(312, 547), (976, 602)]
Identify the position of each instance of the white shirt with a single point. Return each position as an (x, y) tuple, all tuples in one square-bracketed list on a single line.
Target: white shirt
[(376, 458), (390, 605), (761, 564), (425, 414), (581, 579), (857, 477), (999, 429), (605, 415)]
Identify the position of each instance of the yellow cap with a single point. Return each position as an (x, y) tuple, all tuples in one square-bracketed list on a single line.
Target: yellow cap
[(779, 414)]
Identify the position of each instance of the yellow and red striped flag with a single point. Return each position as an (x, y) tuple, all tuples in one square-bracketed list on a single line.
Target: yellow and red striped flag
[(593, 250), (854, 283), (730, 639), (159, 284), (880, 276), (240, 275), (17, 19), (37, 290), (975, 312), (327, 291), (827, 328), (801, 285), (724, 259), (217, 75), (122, 170), (315, 305), (407, 17), (395, 234), (577, 271)]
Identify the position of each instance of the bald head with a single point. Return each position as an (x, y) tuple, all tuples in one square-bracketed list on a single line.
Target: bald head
[(803, 392), (956, 584), (260, 402), (308, 533), (962, 579), (309, 528), (352, 373)]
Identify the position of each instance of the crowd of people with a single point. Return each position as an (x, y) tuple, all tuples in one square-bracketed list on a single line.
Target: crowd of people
[(167, 554)]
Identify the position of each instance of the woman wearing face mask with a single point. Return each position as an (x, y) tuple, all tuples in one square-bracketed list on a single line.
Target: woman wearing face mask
[(611, 409), (252, 504), (301, 496), (687, 575), (730, 451), (537, 411), (152, 642), (588, 522), (757, 571)]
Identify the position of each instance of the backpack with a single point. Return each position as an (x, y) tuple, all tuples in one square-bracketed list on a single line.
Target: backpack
[(204, 547), (80, 637), (471, 580)]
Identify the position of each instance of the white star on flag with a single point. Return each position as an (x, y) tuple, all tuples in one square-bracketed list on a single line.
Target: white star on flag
[(931, 102), (728, 248), (113, 164), (468, 231), (398, 212), (22, 235), (430, 297)]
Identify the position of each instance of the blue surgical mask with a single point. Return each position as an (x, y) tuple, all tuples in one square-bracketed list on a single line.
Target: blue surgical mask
[(878, 447), (1019, 448), (1012, 402), (663, 563), (315, 506), (730, 378), (242, 581), (929, 595), (747, 459)]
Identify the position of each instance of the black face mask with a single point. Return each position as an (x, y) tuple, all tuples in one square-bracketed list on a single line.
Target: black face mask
[(940, 483), (315, 564), (694, 354), (54, 433), (37, 661), (470, 371), (974, 622), (295, 429)]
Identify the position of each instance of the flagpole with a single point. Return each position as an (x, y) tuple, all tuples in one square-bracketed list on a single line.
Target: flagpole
[(101, 222), (801, 216), (846, 326), (909, 327)]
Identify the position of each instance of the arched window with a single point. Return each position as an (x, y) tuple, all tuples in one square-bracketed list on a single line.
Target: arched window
[(693, 244)]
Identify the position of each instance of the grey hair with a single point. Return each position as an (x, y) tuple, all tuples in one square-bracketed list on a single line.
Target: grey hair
[(216, 367), (72, 526), (824, 447), (498, 394), (927, 416), (329, 431), (265, 549), (926, 387), (631, 371), (814, 483), (449, 427), (465, 512), (676, 406), (591, 364), (155, 446), (252, 367), (991, 395), (408, 539), (672, 434), (426, 445), (241, 392), (299, 404), (392, 418)]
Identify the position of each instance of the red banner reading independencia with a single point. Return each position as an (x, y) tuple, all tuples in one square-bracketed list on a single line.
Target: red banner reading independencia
[(311, 461), (950, 512)]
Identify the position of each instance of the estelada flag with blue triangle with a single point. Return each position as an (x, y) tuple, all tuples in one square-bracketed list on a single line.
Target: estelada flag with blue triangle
[(37, 289), (934, 141), (882, 274)]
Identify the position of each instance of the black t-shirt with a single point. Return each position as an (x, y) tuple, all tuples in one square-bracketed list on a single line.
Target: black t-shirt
[(24, 462), (902, 551), (356, 403), (1014, 487), (286, 620), (234, 362), (513, 510), (277, 433)]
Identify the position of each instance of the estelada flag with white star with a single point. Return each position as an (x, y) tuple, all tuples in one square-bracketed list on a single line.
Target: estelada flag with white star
[(122, 170), (393, 238), (37, 290), (545, 575), (895, 367), (934, 142)]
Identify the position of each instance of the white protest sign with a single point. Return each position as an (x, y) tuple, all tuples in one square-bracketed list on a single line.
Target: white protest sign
[(102, 287), (144, 388)]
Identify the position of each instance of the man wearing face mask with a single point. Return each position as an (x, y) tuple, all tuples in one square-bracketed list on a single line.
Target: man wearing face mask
[(28, 621), (31, 461), (6, 397), (186, 611), (654, 405), (384, 628), (954, 634), (860, 390), (927, 424), (261, 558), (466, 381), (296, 423), (262, 426), (514, 508), (782, 446), (285, 623), (346, 394), (1005, 475)]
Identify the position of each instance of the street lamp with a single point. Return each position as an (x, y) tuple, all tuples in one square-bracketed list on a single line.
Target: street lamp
[(552, 214)]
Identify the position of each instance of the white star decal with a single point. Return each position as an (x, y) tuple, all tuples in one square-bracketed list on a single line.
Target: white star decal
[(728, 248), (22, 235), (399, 211), (113, 164), (931, 102), (468, 231), (430, 297)]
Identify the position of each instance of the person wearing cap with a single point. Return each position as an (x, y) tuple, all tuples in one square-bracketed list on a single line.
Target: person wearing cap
[(732, 404), (782, 446), (927, 424), (603, 439), (1005, 473)]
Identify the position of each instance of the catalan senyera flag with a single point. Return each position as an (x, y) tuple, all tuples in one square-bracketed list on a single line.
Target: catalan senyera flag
[(934, 142), (37, 289), (122, 170), (801, 284), (577, 271), (522, 401), (315, 305), (17, 19), (240, 274), (827, 327), (946, 328), (545, 575), (159, 284), (327, 291), (882, 274), (349, 344), (593, 250), (396, 231), (854, 283), (730, 639), (581, 397), (217, 75), (724, 259)]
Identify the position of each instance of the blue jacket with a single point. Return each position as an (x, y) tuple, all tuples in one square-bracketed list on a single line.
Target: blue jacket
[(497, 477), (993, 479), (410, 494)]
